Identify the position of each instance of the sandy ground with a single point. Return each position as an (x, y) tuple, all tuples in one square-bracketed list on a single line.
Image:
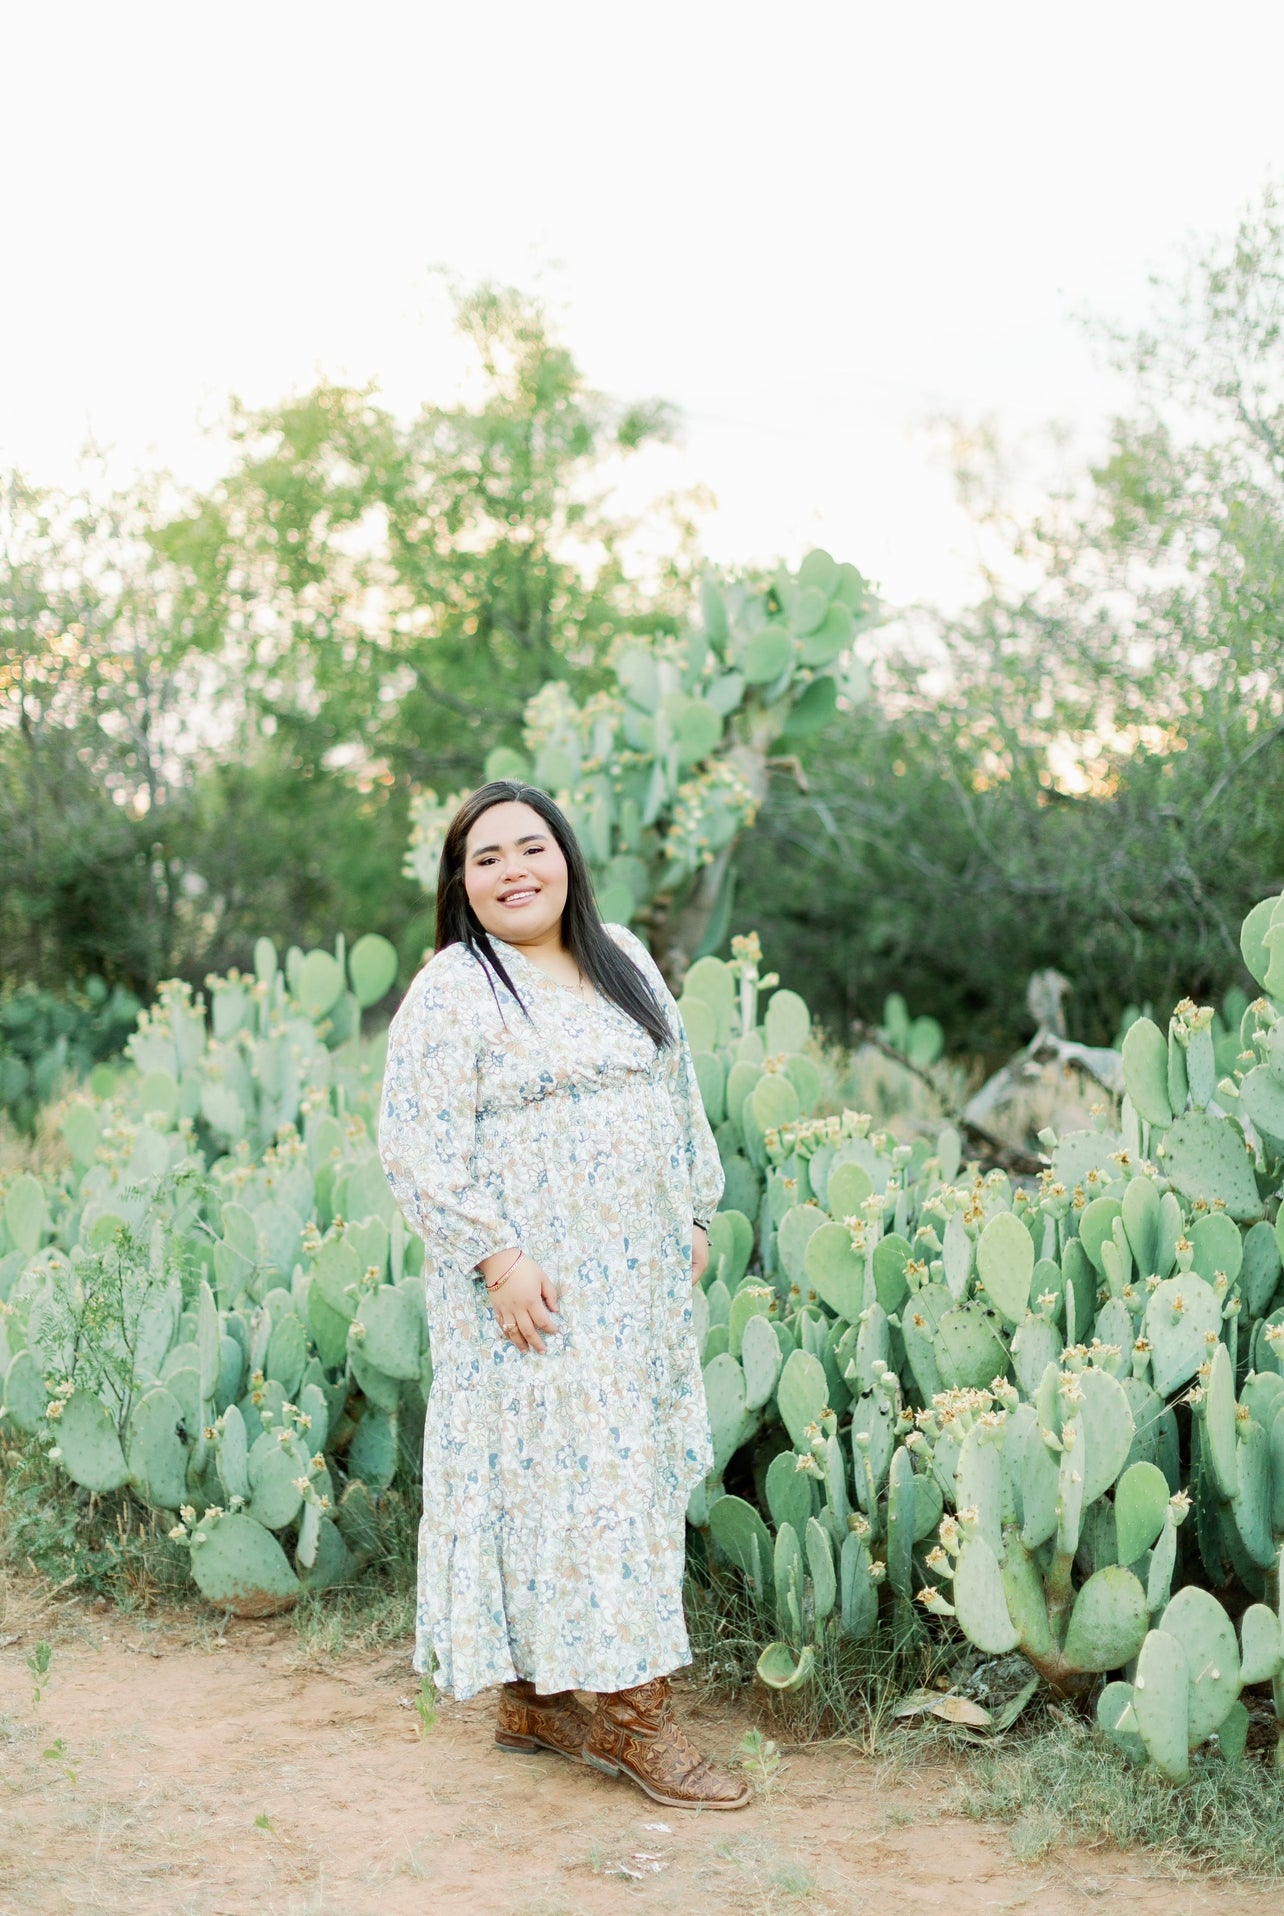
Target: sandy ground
[(197, 1773)]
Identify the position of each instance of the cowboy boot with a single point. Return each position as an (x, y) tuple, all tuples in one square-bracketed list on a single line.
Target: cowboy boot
[(633, 1734), (528, 1721)]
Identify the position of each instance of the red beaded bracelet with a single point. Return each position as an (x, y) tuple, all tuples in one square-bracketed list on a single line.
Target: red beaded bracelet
[(493, 1284)]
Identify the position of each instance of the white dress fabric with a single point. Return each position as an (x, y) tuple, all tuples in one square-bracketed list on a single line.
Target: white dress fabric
[(552, 1541)]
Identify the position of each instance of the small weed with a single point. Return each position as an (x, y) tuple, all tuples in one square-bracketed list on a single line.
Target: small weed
[(57, 1753), (760, 1760), (411, 1866), (770, 1886), (38, 1665), (792, 1880), (264, 1822), (425, 1705)]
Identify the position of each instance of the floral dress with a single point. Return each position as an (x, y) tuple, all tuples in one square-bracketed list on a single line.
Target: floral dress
[(555, 1486)]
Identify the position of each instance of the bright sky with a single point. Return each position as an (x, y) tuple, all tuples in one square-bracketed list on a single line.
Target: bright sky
[(813, 226)]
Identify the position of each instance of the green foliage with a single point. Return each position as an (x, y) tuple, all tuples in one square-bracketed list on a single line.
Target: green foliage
[(661, 772), (1086, 769), (1064, 1784), (213, 708), (156, 1307), (44, 1035), (933, 1394)]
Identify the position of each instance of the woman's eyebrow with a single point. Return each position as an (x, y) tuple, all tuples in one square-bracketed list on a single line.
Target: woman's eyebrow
[(530, 839)]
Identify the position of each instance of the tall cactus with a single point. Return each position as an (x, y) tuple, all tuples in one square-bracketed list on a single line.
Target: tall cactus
[(660, 774)]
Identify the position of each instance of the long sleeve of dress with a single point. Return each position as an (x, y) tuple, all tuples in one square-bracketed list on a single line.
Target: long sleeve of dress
[(703, 1161), (428, 1120)]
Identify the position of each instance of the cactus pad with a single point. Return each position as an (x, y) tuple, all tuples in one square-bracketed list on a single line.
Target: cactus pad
[(25, 1396), (858, 1593), (891, 1254), (1145, 1070), (1141, 1503), (1261, 1645), (155, 1451), (1206, 1158), (274, 1468), (1196, 1621), (372, 1453), (780, 1668), (979, 1601), (1108, 1622), (1107, 1431), (1219, 1435), (372, 967), (91, 1450), (392, 1328), (1181, 1311), (801, 1395), (788, 1022), (1252, 1498), (836, 1270), (724, 1389), (1160, 1704), (760, 1360), (820, 1562), (741, 1535), (969, 1351), (1114, 1703), (1005, 1264), (791, 1497), (241, 1567)]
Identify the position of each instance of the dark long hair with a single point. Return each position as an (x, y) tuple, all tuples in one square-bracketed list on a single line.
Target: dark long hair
[(598, 957)]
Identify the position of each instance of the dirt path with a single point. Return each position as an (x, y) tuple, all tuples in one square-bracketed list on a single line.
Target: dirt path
[(235, 1776)]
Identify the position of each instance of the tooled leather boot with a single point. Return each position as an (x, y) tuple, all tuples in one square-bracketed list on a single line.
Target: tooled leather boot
[(633, 1734), (528, 1721)]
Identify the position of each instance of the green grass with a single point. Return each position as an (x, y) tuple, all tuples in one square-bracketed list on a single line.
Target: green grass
[(852, 1692), (104, 1546), (1060, 1783), (111, 1547)]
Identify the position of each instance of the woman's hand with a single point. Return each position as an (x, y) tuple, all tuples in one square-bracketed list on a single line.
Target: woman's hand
[(699, 1252), (524, 1303)]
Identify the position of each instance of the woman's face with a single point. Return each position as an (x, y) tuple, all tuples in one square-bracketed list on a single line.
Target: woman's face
[(515, 875)]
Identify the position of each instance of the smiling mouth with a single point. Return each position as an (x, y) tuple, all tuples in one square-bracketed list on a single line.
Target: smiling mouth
[(519, 897)]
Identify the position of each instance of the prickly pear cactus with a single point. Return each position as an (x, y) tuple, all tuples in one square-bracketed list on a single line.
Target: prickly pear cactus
[(215, 1309), (660, 775), (986, 1394)]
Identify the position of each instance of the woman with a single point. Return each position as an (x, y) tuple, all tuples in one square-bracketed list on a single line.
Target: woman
[(543, 1132)]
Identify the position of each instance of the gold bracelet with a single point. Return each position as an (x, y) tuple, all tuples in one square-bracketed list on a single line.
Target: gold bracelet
[(493, 1285)]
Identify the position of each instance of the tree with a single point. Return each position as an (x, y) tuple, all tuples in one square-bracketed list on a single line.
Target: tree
[(213, 711), (1085, 771), (98, 678), (400, 591)]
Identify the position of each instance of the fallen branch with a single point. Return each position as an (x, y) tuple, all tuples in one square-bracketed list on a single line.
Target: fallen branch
[(1008, 1156)]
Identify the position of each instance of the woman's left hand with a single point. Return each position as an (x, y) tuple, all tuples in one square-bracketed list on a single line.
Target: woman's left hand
[(699, 1253)]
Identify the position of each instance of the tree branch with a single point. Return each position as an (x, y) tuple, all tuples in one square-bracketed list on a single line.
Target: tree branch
[(1010, 1157)]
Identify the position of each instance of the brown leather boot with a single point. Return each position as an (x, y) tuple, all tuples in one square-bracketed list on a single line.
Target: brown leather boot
[(531, 1722), (632, 1734)]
